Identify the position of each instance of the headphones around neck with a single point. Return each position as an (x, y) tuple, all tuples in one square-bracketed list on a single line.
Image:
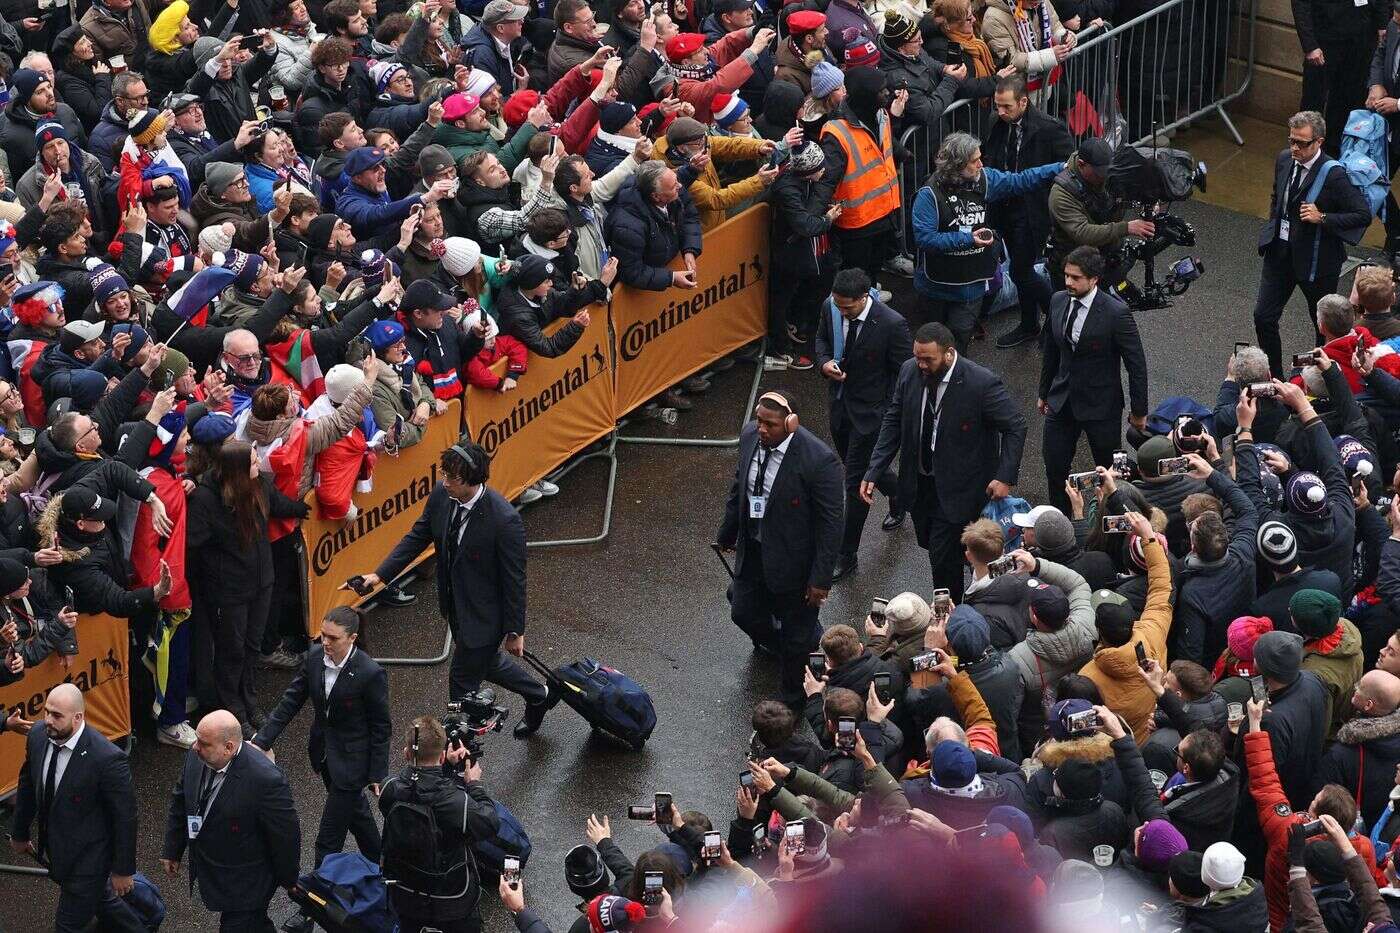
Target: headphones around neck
[(790, 420)]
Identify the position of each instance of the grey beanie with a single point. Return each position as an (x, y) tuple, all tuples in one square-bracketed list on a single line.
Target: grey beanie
[(1279, 655), (1054, 534), (206, 49), (219, 175)]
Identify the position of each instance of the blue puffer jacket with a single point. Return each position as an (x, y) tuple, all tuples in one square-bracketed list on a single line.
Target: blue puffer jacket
[(368, 213), (643, 242)]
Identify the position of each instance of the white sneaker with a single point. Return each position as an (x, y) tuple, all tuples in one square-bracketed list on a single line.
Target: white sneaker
[(546, 488), (180, 735), (530, 494), (900, 265), (886, 295)]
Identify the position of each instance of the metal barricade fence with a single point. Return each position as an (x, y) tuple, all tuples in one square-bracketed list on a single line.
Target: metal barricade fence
[(1146, 78)]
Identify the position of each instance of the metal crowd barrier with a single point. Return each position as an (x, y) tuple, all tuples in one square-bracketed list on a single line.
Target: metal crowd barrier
[(1137, 81)]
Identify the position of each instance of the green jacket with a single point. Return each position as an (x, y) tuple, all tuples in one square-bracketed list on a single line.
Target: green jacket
[(462, 143), (1340, 669), (800, 782)]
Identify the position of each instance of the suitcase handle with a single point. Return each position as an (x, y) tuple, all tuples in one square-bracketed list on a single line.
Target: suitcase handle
[(542, 669)]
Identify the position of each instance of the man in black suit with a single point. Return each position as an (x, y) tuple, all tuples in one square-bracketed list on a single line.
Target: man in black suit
[(1304, 240), (783, 516), (1092, 335), (480, 542), (232, 809), (1384, 98), (959, 439), (350, 732), (1023, 136), (78, 785), (861, 356)]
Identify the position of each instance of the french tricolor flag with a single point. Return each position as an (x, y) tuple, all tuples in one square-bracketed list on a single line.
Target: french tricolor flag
[(192, 301)]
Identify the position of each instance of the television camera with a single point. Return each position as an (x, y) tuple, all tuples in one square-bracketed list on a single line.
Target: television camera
[(1152, 179), (471, 718)]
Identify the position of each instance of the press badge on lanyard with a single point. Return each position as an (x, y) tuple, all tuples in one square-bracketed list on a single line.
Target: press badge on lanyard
[(757, 506), (194, 824), (1283, 230)]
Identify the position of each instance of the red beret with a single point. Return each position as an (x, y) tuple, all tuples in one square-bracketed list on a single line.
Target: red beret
[(517, 108), (683, 45), (805, 21)]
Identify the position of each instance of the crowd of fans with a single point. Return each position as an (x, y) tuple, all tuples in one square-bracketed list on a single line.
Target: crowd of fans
[(248, 248)]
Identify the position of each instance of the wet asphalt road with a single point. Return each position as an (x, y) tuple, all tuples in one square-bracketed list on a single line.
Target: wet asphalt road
[(650, 600)]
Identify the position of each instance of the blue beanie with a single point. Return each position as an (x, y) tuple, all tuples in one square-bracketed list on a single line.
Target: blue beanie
[(138, 339), (23, 84), (968, 633), (384, 334), (212, 428), (84, 386), (1306, 494), (952, 764)]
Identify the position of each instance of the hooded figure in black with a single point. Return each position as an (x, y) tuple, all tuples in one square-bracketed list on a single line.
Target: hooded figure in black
[(781, 102)]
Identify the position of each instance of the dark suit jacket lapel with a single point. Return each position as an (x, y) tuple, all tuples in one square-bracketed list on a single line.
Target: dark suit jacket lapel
[(318, 683), (787, 466), (344, 680), (943, 410)]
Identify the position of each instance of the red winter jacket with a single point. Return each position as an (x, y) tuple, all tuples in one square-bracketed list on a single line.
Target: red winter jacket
[(1275, 818), (479, 371)]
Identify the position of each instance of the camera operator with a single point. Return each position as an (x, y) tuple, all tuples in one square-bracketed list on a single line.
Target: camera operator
[(434, 881), (1084, 213)]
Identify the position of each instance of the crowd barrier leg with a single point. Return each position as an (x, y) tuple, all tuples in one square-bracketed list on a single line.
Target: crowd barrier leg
[(711, 441), (609, 453), (422, 662)]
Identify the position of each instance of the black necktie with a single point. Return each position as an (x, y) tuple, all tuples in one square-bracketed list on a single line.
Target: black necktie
[(1013, 147), (1295, 182), (454, 528), (50, 780), (206, 788), (926, 430), (758, 478), (852, 328), (1074, 308)]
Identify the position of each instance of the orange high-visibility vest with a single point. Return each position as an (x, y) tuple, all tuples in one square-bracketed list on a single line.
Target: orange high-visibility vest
[(869, 189)]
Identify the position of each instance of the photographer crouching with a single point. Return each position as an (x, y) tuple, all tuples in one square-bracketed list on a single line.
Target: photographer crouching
[(434, 809)]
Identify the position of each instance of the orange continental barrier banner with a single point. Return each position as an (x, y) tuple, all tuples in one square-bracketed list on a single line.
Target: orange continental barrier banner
[(662, 337), (99, 670), (558, 407), (338, 550)]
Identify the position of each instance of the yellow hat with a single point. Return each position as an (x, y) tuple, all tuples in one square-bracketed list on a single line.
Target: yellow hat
[(165, 30)]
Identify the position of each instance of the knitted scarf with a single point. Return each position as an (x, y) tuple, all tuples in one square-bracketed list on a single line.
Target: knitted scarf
[(1326, 644), (977, 51), (1025, 31), (702, 72)]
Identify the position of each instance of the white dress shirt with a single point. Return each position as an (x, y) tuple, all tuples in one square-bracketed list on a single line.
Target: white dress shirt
[(937, 402), (1088, 302), (64, 752), (464, 507), (333, 670), (775, 460)]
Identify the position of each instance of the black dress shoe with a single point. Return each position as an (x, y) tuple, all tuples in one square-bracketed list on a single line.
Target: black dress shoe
[(892, 521), (844, 567), (299, 923), (395, 597), (529, 724)]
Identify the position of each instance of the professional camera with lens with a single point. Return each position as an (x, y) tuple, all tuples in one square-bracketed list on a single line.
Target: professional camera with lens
[(471, 718), (1153, 179)]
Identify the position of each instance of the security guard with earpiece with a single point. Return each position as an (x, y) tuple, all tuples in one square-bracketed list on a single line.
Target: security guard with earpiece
[(783, 516), (480, 543)]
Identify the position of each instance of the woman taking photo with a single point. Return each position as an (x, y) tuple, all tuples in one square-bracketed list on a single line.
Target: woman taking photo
[(228, 553)]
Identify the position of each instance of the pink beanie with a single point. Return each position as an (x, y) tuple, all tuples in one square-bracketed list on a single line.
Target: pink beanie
[(1243, 633)]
